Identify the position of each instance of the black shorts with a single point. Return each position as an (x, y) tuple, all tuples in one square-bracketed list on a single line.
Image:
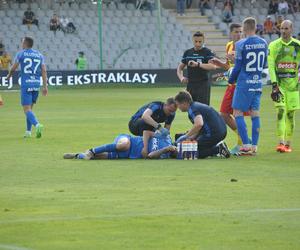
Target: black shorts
[(200, 92), (205, 142), (136, 127)]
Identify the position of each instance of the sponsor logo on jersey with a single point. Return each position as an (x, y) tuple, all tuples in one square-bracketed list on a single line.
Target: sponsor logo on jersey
[(154, 144), (287, 65)]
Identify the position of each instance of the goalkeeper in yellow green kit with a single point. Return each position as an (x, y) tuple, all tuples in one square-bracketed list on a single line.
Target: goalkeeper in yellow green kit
[(283, 61)]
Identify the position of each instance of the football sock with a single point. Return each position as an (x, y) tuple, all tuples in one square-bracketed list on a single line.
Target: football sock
[(290, 125), (28, 124), (255, 129), (31, 117), (281, 126), (242, 129), (105, 148)]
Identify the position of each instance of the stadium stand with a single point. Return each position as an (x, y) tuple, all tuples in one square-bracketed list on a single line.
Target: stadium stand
[(258, 9), (130, 37)]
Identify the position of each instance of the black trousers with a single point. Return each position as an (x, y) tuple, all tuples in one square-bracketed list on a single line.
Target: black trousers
[(207, 145), (136, 127), (200, 92)]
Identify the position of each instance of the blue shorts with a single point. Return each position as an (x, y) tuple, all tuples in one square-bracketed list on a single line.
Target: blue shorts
[(28, 97), (245, 100), (121, 154)]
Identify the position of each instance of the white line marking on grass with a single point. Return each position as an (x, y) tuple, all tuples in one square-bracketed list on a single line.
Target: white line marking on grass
[(11, 91), (11, 247), (136, 215)]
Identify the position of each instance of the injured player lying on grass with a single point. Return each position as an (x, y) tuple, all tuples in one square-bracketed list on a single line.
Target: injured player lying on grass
[(149, 146)]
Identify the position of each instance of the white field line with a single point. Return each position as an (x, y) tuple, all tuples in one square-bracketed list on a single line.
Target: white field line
[(136, 215), (11, 247)]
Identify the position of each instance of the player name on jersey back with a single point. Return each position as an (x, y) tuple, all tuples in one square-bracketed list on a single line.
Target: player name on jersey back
[(255, 46)]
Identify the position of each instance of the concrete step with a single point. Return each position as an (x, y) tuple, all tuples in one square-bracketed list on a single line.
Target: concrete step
[(219, 42), (193, 21), (203, 28)]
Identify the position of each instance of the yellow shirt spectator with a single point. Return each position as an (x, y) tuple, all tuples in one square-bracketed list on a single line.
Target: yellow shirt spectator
[(5, 61)]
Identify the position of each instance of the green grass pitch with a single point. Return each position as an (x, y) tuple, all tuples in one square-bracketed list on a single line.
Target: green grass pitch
[(50, 203)]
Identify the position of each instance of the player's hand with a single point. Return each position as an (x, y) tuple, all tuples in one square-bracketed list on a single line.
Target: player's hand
[(45, 91), (184, 80), (181, 138), (193, 64), (276, 94), (231, 56), (172, 148), (145, 152)]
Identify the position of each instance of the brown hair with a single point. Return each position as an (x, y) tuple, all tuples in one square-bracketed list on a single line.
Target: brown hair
[(29, 41), (249, 24), (198, 34), (234, 26), (184, 96)]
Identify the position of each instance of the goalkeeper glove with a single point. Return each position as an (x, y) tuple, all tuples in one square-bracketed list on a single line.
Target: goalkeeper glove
[(276, 94)]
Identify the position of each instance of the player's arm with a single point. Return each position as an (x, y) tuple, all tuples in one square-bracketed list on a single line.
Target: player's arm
[(12, 70), (219, 63), (44, 77), (148, 119), (271, 62), (275, 94), (156, 154), (146, 137), (237, 65), (194, 131), (207, 66), (180, 75)]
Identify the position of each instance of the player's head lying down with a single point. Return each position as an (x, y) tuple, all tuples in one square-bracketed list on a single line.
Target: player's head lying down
[(126, 146)]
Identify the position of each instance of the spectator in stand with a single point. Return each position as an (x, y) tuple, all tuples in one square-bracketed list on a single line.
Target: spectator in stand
[(81, 62), (147, 5), (2, 47), (180, 7), (278, 22), (273, 7), (296, 5), (283, 7), (29, 18), (227, 11), (5, 61), (189, 3), (293, 6), (259, 29), (67, 25), (298, 36), (269, 27), (54, 23), (204, 5)]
